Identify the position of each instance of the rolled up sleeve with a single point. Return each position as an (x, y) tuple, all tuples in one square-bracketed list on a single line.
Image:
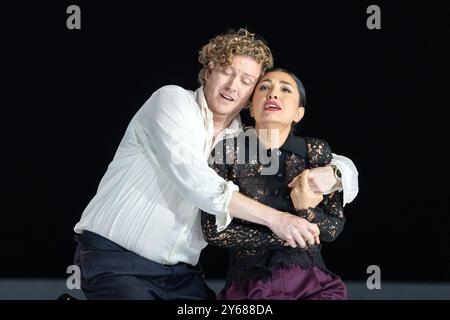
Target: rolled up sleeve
[(171, 130), (349, 177)]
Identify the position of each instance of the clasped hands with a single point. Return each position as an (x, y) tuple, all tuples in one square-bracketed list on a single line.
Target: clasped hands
[(307, 192)]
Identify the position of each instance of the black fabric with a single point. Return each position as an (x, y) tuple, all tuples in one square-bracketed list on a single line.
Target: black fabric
[(109, 271), (255, 249)]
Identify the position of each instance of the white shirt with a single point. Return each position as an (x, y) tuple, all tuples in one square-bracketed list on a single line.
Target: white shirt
[(149, 198), (349, 177)]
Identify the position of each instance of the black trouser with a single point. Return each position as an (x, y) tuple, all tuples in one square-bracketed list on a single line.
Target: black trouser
[(109, 271)]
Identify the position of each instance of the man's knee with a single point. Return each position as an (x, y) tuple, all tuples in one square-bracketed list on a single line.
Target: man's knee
[(120, 287)]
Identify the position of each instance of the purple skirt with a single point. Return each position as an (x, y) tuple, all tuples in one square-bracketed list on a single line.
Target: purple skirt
[(289, 283)]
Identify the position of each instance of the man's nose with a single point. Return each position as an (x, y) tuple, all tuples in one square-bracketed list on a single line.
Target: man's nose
[(231, 85)]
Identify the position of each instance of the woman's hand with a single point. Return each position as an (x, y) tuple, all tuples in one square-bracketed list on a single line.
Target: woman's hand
[(321, 179), (301, 194)]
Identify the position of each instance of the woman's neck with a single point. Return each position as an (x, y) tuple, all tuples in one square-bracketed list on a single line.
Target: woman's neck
[(272, 138)]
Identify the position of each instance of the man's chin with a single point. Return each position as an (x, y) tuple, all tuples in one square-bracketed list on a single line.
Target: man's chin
[(226, 111)]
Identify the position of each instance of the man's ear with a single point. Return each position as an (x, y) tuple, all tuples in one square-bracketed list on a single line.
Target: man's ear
[(299, 115), (208, 70)]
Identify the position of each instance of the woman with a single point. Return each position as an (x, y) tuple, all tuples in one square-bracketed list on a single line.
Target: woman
[(262, 266)]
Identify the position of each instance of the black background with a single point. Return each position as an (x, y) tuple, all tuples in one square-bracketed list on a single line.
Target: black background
[(377, 96)]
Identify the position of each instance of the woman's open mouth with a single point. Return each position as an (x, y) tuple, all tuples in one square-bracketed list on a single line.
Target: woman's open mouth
[(271, 107)]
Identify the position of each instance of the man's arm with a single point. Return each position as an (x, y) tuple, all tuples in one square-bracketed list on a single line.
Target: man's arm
[(349, 178), (169, 130), (238, 233), (285, 225), (164, 127)]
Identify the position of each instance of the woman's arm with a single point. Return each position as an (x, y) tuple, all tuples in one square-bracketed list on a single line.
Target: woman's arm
[(238, 233), (164, 127), (328, 213), (244, 233)]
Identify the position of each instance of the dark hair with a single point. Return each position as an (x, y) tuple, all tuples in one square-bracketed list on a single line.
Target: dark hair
[(300, 87)]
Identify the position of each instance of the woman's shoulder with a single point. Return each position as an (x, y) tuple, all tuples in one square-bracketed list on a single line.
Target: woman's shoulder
[(315, 143), (318, 150)]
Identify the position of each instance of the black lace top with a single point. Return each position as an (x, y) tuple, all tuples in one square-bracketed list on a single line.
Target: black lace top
[(254, 249)]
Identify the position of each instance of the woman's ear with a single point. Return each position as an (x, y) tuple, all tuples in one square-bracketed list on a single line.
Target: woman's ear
[(299, 115)]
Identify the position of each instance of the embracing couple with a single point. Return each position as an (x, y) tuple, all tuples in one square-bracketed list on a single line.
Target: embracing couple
[(141, 236)]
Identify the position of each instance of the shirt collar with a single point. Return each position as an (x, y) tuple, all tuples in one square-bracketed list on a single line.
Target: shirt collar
[(201, 101), (235, 126), (295, 144)]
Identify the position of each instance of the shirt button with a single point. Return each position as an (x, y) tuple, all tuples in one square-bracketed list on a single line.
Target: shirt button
[(276, 192), (278, 153), (279, 175)]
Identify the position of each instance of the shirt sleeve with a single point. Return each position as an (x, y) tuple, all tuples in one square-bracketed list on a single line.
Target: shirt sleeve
[(349, 177), (168, 127)]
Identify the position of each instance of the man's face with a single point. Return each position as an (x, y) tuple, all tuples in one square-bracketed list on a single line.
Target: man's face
[(228, 90)]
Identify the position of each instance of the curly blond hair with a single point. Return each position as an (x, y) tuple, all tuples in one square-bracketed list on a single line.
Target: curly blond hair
[(221, 50)]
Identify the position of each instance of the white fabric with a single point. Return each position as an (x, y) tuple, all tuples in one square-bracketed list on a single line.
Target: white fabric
[(148, 199), (349, 177)]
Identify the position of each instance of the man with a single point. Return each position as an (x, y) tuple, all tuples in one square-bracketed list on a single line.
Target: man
[(140, 234)]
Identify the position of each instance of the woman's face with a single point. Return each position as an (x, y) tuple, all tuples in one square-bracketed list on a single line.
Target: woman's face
[(276, 101)]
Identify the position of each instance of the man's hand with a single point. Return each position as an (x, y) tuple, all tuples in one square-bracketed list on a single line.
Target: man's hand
[(294, 230), (320, 179)]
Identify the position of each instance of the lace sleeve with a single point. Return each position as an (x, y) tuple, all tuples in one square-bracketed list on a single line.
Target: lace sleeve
[(319, 152), (329, 214), (239, 233)]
